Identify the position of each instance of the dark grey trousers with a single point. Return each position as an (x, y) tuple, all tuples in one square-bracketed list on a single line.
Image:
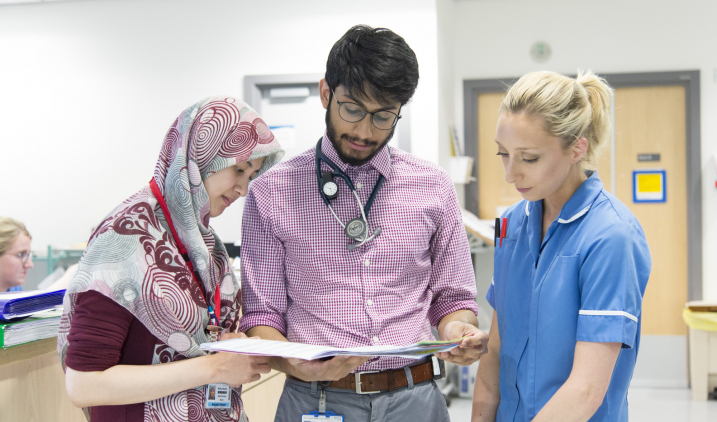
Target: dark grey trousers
[(422, 402)]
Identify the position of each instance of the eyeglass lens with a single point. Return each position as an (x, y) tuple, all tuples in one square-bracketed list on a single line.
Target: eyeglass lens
[(353, 113), (25, 256)]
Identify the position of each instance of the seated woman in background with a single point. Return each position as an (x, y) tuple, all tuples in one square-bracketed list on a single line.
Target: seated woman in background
[(155, 281), (15, 254), (569, 278)]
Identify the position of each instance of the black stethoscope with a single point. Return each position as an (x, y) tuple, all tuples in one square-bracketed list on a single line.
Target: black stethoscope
[(356, 229)]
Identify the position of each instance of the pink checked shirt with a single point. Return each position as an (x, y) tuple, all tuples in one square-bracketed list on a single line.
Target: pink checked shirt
[(298, 276)]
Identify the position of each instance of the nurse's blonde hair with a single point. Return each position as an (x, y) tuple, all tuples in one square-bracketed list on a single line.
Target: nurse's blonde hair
[(10, 229), (569, 108)]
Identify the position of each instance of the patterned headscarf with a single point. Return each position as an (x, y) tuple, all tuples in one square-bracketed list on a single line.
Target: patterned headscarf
[(132, 257)]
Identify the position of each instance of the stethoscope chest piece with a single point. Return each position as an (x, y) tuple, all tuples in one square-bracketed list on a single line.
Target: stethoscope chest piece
[(355, 228)]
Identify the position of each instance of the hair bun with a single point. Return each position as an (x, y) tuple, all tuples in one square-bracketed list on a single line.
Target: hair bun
[(570, 108)]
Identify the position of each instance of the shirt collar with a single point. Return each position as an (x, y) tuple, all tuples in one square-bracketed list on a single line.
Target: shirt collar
[(381, 161), (578, 204)]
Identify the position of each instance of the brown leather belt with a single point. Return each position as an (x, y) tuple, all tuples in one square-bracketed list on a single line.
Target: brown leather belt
[(389, 380)]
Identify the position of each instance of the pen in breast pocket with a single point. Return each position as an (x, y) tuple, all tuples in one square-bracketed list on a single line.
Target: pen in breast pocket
[(501, 232)]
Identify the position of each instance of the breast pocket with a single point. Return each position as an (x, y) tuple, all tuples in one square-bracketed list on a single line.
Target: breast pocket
[(559, 299)]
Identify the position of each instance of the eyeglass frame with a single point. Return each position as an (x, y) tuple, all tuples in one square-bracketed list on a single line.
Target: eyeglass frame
[(340, 103), (28, 256)]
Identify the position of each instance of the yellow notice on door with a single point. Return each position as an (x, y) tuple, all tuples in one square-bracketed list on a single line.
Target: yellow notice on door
[(649, 186), (649, 182)]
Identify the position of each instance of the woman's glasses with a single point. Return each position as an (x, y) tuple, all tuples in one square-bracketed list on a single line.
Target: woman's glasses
[(25, 256)]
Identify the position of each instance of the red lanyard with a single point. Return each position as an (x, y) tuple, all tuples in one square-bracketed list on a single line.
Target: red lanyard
[(214, 317)]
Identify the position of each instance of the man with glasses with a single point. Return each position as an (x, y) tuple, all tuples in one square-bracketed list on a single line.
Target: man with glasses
[(306, 279)]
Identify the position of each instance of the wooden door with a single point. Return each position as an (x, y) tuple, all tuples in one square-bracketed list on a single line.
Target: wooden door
[(651, 120), (648, 120), (494, 192)]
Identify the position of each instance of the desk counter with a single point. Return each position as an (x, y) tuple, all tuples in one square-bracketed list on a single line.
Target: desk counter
[(32, 384)]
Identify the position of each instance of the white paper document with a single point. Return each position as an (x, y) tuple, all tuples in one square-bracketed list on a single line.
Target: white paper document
[(285, 349)]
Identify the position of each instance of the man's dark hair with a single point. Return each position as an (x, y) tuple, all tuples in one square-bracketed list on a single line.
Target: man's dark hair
[(373, 63)]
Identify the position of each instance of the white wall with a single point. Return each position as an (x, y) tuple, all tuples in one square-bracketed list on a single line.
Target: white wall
[(446, 77), (88, 89), (492, 39), (446, 82)]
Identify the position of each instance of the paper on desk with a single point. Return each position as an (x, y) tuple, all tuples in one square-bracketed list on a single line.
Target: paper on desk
[(285, 349)]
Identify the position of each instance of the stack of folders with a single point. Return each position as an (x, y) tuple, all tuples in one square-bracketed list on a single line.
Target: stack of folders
[(37, 327), (29, 316)]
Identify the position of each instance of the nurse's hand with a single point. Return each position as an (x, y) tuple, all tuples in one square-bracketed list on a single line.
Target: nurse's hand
[(473, 346), (325, 370)]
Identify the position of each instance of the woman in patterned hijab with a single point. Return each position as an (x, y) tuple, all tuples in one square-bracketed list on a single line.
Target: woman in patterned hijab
[(134, 301)]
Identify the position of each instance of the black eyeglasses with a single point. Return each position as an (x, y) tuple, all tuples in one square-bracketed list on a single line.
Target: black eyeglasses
[(352, 113)]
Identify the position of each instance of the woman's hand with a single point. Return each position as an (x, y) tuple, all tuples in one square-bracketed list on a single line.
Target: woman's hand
[(127, 384), (235, 369)]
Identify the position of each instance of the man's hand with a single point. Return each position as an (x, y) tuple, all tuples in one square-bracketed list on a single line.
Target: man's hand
[(473, 346), (308, 370), (325, 370)]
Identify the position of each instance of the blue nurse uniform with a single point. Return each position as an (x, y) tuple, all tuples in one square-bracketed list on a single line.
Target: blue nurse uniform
[(583, 282)]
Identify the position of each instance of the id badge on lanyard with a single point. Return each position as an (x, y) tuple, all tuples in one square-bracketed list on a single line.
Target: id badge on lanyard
[(218, 396), (322, 415), (318, 417)]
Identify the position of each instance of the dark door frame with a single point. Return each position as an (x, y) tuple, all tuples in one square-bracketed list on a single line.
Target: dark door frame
[(690, 79)]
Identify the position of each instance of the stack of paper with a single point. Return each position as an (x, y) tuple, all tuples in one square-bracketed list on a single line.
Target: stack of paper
[(37, 327), (285, 349), (22, 304)]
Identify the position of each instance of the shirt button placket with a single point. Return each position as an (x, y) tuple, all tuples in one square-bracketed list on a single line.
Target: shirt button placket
[(369, 303)]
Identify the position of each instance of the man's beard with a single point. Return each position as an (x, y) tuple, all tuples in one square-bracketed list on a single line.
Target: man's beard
[(352, 161)]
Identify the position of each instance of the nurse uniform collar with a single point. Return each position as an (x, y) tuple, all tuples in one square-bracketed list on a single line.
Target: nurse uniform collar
[(356, 229)]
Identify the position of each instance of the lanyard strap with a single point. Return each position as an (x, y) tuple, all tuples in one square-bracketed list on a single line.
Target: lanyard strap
[(214, 317)]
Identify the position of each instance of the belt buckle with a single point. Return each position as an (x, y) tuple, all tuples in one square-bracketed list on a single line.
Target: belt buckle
[(357, 376)]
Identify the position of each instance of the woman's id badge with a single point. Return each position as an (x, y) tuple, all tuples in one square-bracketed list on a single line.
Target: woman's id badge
[(218, 396), (322, 417)]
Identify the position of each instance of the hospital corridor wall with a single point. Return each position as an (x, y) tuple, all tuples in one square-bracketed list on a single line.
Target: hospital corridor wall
[(94, 85)]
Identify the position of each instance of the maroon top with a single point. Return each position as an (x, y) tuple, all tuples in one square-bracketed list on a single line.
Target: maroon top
[(104, 334)]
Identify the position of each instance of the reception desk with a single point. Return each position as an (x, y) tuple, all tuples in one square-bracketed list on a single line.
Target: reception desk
[(262, 397), (32, 388), (32, 385)]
